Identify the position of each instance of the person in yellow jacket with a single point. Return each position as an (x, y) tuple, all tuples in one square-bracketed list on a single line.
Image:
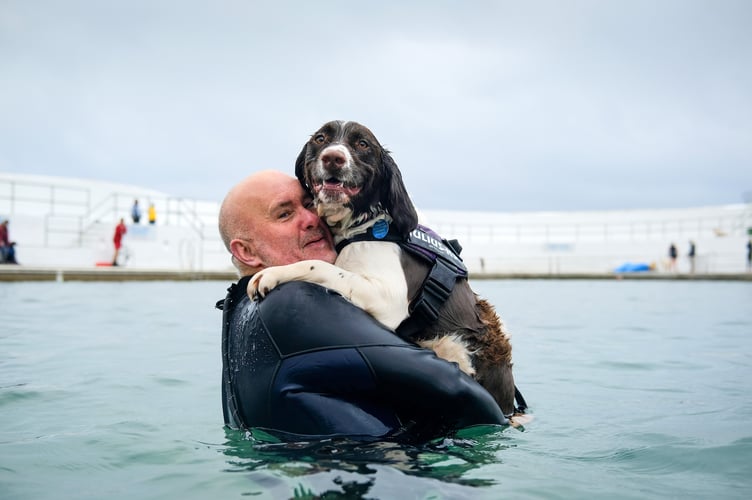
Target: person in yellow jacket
[(152, 214)]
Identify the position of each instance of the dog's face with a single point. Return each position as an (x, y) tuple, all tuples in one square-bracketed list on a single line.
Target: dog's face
[(341, 162), (346, 169)]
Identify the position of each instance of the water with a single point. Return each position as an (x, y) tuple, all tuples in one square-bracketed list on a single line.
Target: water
[(639, 390)]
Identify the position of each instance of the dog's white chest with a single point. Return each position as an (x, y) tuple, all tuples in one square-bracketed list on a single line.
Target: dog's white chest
[(378, 263)]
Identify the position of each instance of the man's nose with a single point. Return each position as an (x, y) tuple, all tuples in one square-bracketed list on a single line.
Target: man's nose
[(310, 219)]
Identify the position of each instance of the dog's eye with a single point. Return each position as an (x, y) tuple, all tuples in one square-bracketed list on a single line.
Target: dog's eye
[(362, 144), (319, 139)]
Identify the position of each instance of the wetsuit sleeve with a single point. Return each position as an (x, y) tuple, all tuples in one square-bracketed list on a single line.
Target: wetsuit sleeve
[(433, 395), (279, 378)]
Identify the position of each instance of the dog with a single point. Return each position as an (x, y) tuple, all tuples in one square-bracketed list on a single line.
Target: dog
[(357, 187)]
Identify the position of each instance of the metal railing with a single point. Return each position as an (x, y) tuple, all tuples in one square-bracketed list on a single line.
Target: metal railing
[(734, 223), (73, 211)]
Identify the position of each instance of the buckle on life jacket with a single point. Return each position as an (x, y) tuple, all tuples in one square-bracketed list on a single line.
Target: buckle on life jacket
[(436, 290)]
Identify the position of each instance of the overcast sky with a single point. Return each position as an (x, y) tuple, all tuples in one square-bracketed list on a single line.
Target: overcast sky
[(485, 105)]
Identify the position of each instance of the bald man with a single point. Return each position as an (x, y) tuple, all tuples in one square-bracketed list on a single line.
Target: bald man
[(268, 220), (304, 363)]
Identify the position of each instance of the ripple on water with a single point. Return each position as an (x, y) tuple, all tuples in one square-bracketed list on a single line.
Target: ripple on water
[(23, 392)]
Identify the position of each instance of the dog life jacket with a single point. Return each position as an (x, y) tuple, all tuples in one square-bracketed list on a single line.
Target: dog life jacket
[(446, 267), (443, 256)]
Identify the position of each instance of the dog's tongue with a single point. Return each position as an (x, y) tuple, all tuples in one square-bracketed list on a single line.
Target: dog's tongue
[(339, 186), (333, 184)]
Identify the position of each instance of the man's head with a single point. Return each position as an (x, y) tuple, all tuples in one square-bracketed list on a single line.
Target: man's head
[(269, 220)]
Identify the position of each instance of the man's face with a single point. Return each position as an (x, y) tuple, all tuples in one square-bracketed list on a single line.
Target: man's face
[(287, 229)]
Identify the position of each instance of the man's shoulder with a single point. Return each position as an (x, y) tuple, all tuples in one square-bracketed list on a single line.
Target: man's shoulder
[(301, 302)]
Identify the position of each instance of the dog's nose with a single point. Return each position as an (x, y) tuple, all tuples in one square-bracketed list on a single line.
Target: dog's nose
[(333, 159)]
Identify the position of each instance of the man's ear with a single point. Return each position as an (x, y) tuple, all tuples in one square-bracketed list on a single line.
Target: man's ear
[(243, 251)]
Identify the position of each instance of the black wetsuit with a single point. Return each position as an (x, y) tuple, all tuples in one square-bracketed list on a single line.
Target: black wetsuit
[(305, 363)]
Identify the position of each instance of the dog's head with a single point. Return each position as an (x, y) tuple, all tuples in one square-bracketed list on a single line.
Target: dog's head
[(350, 173)]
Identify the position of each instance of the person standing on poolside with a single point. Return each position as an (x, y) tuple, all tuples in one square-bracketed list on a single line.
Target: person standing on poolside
[(135, 212), (117, 239), (152, 213), (672, 254)]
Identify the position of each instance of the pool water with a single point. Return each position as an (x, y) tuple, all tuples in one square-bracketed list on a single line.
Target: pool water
[(639, 389)]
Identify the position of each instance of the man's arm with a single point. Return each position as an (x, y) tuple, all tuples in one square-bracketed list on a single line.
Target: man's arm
[(306, 361)]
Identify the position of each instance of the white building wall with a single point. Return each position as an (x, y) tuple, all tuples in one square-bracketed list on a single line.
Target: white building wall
[(69, 222)]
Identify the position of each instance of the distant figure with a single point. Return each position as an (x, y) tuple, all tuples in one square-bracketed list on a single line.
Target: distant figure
[(120, 230), (749, 255), (152, 214), (4, 241), (691, 256), (672, 254), (135, 212), (7, 247), (10, 254)]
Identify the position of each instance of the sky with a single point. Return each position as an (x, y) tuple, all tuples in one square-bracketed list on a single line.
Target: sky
[(499, 106)]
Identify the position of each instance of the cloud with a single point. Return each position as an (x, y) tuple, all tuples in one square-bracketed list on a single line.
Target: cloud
[(489, 105)]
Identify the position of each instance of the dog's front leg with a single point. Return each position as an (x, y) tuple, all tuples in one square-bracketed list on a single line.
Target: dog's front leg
[(313, 271), (382, 299)]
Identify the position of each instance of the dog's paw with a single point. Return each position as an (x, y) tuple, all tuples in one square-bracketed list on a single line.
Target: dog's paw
[(519, 420), (261, 284)]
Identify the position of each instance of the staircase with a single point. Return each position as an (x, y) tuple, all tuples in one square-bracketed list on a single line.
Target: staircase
[(64, 222)]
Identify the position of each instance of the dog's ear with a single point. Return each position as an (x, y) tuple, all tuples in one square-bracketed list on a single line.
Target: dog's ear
[(396, 200), (300, 167)]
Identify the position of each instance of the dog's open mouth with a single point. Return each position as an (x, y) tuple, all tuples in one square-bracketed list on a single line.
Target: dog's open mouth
[(335, 188)]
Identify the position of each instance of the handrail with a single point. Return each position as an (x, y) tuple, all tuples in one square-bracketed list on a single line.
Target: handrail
[(736, 224), (50, 200), (54, 202), (49, 229), (184, 212)]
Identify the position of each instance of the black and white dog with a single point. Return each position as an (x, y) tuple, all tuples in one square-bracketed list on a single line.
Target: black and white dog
[(356, 187)]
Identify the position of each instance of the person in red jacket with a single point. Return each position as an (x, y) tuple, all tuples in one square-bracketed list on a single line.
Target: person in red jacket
[(120, 230)]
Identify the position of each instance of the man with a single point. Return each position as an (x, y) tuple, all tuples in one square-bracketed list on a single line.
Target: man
[(305, 363), (135, 212)]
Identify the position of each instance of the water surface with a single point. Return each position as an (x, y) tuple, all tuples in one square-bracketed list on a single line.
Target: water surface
[(639, 390)]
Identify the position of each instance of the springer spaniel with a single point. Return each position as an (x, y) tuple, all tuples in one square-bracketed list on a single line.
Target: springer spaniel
[(356, 187)]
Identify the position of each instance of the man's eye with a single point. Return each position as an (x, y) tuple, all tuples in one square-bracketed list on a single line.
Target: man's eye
[(283, 215)]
